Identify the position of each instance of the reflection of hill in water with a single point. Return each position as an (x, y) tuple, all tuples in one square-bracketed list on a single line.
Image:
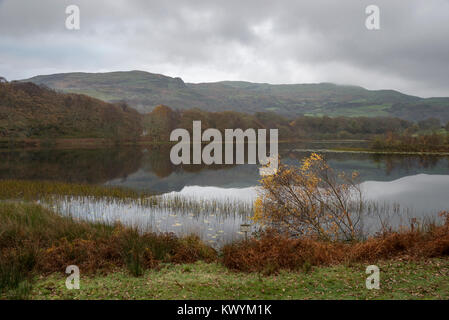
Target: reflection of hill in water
[(371, 167), (150, 167), (421, 193), (233, 177)]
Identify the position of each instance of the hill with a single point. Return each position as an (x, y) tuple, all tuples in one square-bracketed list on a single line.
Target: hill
[(30, 111), (144, 91)]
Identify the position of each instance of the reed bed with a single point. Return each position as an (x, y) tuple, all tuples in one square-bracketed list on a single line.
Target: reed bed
[(53, 192), (35, 190), (214, 221)]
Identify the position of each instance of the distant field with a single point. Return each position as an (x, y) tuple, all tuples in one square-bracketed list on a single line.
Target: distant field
[(365, 111)]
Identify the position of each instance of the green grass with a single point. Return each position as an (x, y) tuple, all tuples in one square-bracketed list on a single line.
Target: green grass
[(398, 280), (380, 110), (365, 111)]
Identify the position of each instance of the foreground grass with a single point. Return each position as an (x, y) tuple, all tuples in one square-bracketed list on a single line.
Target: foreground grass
[(36, 241), (36, 245), (398, 280)]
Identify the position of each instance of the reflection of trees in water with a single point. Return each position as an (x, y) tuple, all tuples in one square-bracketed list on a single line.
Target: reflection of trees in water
[(410, 163), (390, 163), (81, 166), (157, 161), (101, 165)]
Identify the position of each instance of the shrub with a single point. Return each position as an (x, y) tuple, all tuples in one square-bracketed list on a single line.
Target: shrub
[(311, 200), (136, 253), (192, 249)]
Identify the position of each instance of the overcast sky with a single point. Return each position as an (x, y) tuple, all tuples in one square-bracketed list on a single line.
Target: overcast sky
[(261, 41)]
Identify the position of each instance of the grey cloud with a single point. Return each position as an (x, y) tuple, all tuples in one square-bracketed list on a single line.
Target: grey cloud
[(255, 40)]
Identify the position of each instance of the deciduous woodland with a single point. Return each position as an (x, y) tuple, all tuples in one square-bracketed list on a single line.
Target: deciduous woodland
[(29, 111)]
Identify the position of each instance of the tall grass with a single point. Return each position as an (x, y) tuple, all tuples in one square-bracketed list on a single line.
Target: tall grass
[(15, 271), (35, 239), (54, 192), (35, 190)]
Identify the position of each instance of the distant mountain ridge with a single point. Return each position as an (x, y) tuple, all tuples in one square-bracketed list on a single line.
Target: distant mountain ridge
[(144, 91)]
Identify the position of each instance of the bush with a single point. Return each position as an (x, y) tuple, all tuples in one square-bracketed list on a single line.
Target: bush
[(311, 200), (136, 253), (273, 251)]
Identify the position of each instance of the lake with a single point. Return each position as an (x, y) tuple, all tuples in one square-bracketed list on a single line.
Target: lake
[(217, 200)]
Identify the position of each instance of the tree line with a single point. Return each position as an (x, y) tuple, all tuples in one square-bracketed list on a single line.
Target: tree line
[(162, 120)]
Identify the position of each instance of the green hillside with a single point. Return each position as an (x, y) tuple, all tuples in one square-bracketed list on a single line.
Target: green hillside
[(144, 91)]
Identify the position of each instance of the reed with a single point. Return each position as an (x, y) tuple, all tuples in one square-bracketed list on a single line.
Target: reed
[(34, 239), (34, 190)]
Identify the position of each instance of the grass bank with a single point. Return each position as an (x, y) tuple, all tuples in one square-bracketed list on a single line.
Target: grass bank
[(36, 241), (36, 246), (398, 280)]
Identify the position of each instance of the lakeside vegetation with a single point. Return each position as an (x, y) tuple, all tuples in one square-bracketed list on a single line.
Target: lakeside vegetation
[(43, 190), (35, 240), (117, 262), (433, 142)]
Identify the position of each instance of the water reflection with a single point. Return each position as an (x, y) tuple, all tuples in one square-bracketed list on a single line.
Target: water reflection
[(150, 168), (217, 214), (418, 185), (94, 166)]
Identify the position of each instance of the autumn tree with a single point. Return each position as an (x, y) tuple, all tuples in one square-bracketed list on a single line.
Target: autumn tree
[(429, 124), (311, 200), (159, 123)]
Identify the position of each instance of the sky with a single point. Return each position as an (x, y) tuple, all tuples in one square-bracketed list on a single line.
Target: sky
[(286, 41)]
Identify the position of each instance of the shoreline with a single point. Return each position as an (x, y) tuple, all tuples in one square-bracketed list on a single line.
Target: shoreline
[(371, 151), (93, 143)]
